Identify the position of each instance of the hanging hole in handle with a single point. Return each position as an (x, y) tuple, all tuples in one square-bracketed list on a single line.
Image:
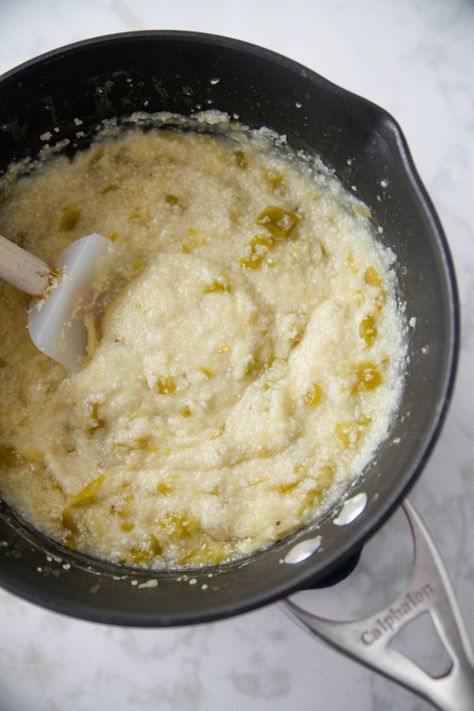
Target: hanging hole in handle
[(419, 641), (383, 571)]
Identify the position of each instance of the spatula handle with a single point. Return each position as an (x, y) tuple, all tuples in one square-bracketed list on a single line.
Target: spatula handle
[(22, 269)]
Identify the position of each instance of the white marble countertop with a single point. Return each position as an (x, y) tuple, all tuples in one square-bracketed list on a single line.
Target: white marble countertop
[(415, 58)]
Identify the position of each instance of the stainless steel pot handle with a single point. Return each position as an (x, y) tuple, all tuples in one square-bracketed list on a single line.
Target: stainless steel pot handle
[(368, 640)]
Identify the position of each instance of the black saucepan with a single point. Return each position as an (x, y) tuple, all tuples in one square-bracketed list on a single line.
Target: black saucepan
[(155, 71)]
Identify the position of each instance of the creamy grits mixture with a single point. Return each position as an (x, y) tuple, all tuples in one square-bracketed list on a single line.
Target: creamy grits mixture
[(246, 365)]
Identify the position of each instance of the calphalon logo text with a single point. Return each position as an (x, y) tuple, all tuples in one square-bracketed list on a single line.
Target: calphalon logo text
[(396, 614)]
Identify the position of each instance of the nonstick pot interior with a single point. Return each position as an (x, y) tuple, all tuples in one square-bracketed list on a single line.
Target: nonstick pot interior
[(175, 71)]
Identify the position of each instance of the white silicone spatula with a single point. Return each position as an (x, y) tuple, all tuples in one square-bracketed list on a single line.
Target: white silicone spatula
[(56, 321)]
